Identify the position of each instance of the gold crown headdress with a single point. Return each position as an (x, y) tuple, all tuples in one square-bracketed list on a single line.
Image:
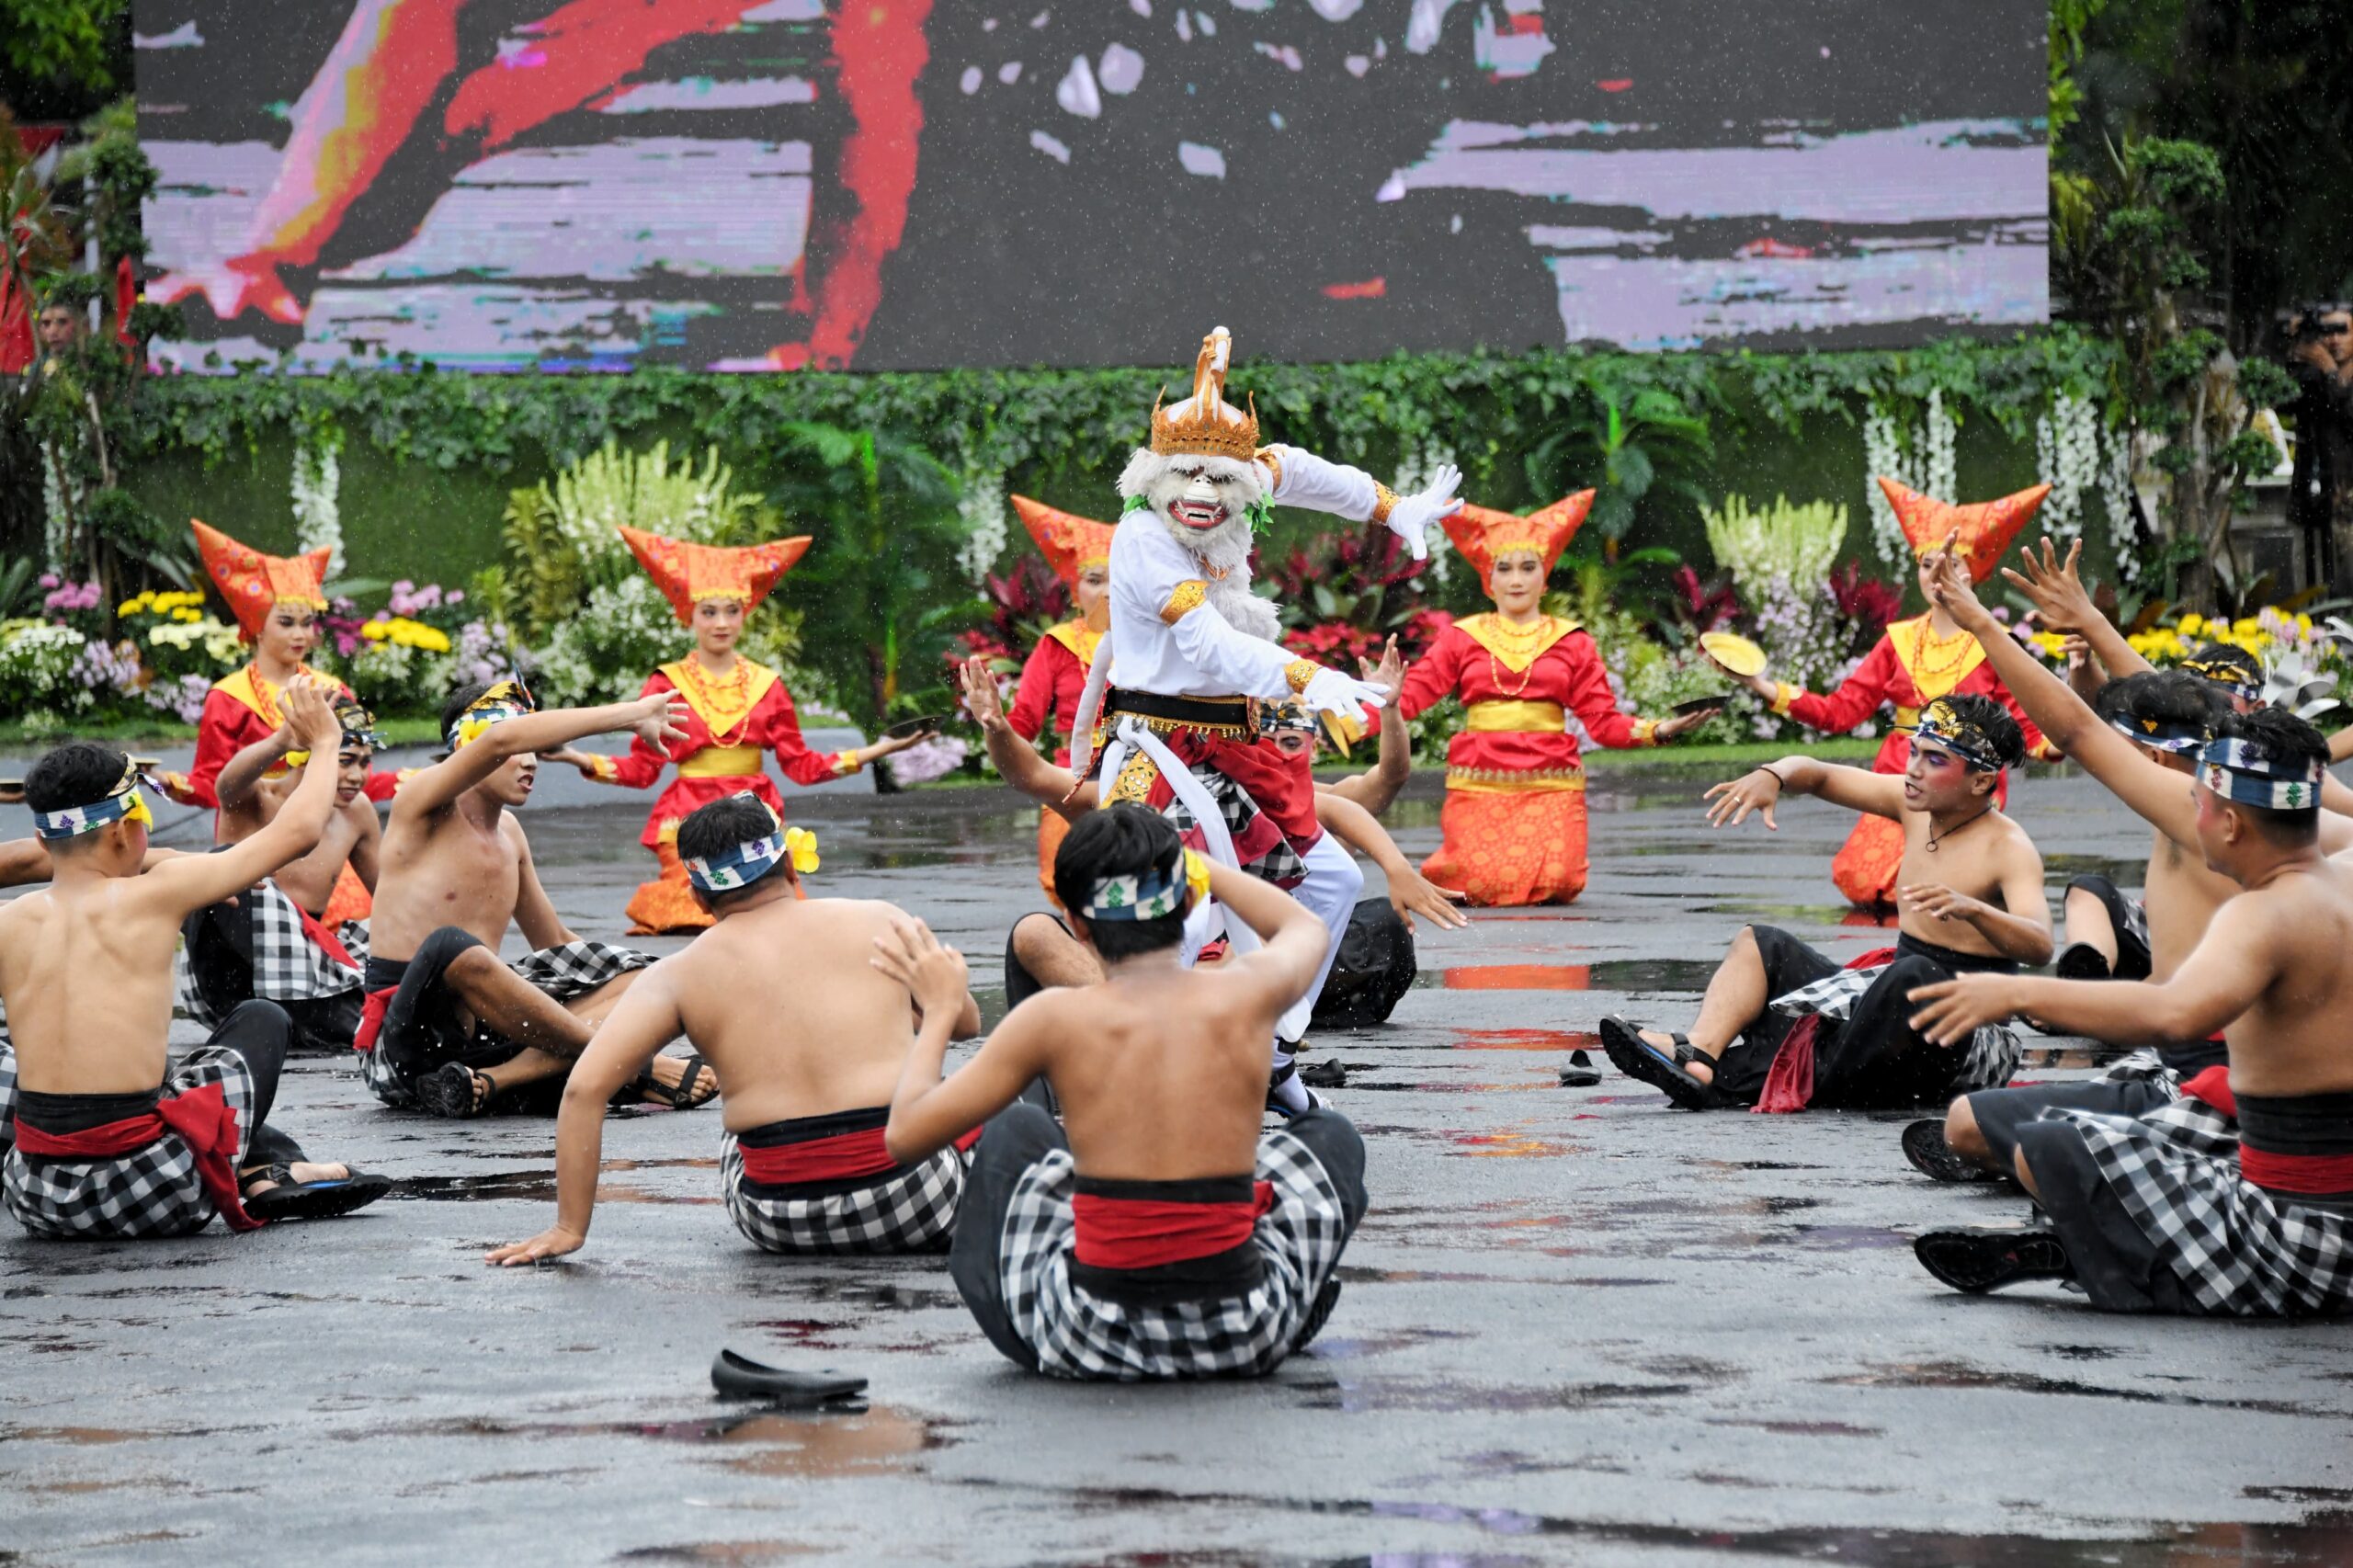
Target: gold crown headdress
[(1205, 424)]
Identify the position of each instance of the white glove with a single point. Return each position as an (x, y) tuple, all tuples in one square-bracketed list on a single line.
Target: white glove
[(1410, 519), (1332, 692)]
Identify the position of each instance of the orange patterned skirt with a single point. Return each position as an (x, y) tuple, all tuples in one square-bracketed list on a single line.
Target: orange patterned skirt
[(667, 902), (1053, 828), (1867, 864), (1506, 847), (350, 900)]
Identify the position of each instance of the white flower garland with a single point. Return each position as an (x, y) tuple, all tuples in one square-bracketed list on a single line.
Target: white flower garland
[(1883, 453), (982, 506), (58, 522), (2117, 491), (2067, 458), (1937, 439), (316, 486)]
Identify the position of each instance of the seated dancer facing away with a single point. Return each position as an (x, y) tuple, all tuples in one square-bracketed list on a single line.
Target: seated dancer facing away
[(1914, 663), (2237, 1198), (806, 1071), (1782, 1026), (273, 941), (449, 1028), (1515, 816), (1041, 951), (1159, 1236), (110, 1142), (736, 709)]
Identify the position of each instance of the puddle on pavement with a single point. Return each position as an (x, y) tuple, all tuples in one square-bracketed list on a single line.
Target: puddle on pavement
[(808, 1444), (1525, 1039), (539, 1187), (731, 1553), (1453, 1395), (1961, 1375), (1506, 977)]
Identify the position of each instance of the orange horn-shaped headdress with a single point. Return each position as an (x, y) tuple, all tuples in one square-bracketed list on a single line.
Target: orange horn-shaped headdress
[(1069, 543), (686, 572), (1987, 528), (254, 582), (1482, 533)]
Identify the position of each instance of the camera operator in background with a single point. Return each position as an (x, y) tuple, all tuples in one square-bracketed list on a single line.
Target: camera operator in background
[(2320, 496)]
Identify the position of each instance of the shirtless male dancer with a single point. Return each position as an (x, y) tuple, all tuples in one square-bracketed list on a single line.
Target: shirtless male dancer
[(449, 1026), (805, 1071), (1155, 1233), (274, 941), (2140, 740), (2235, 1199), (110, 1142), (1782, 1026)]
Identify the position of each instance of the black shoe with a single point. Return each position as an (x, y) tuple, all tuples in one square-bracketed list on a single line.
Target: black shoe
[(1324, 1075), (1924, 1147), (739, 1377), (290, 1199), (2081, 960), (1988, 1257), (1317, 1315)]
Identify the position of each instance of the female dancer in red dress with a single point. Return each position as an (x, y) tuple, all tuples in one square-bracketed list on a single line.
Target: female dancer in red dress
[(740, 709), (1079, 549), (1914, 663), (1514, 818)]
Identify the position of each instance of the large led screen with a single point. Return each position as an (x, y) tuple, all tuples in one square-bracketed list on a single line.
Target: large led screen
[(750, 185)]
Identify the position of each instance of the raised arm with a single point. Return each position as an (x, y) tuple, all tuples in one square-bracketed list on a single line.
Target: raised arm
[(636, 769), (1299, 478), (2232, 966), (1759, 790), (2153, 791), (1294, 940), (2057, 592), (1409, 890), (655, 719), (188, 883), (928, 1113), (1020, 763), (641, 1023), (238, 785)]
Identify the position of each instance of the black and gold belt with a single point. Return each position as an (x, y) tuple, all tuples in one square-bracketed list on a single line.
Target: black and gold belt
[(1235, 716)]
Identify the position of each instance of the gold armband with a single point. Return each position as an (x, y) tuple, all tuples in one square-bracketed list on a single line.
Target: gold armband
[(1299, 672), (1273, 458), (846, 763), (602, 768), (1646, 731), (1188, 597), (1384, 501), (1783, 695)]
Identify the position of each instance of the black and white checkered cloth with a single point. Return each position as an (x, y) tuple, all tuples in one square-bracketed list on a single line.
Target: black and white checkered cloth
[(288, 965), (912, 1212), (2238, 1250), (1280, 865), (1079, 1334), (154, 1191), (1993, 1051), (2136, 921), (2144, 1066), (562, 972)]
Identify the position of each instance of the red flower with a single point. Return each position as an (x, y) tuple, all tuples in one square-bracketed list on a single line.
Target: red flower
[(1867, 602)]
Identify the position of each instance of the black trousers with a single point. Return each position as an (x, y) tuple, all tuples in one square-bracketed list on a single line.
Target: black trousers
[(1021, 1135), (2132, 952), (2002, 1114), (219, 940)]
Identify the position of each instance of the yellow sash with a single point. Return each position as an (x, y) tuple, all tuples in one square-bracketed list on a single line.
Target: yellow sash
[(1514, 649), (1081, 639), (1498, 781), (1516, 717), (721, 762), (721, 705)]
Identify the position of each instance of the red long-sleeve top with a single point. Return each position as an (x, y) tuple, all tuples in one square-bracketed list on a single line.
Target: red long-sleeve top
[(1482, 662), (239, 711), (747, 715), (1051, 683), (1910, 668)]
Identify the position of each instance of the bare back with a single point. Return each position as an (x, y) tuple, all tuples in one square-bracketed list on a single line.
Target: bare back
[(445, 868), (2297, 1037), (1161, 1072), (1974, 859), (86, 971), (783, 1003)]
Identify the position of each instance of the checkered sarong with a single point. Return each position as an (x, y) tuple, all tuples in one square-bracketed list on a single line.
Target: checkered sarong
[(2144, 1066), (1988, 1063), (149, 1192), (562, 972), (1280, 865), (2238, 1250), (913, 1210), (1079, 1334), (287, 966)]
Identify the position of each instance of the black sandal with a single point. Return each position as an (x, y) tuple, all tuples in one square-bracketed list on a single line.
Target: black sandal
[(683, 1096), (1637, 1058), (1988, 1257), (1924, 1147), (456, 1091), (290, 1199), (739, 1377)]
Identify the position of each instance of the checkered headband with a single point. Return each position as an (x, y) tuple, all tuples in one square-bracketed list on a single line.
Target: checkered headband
[(123, 801), (1151, 894), (2241, 771)]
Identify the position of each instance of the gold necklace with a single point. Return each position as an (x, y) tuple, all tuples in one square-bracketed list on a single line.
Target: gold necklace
[(1521, 642), (722, 694), (1922, 673)]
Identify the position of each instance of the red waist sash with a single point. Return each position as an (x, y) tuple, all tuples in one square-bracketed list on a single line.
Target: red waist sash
[(1789, 1081), (2320, 1175), (203, 1118), (843, 1157), (371, 1017), (1136, 1233), (324, 939)]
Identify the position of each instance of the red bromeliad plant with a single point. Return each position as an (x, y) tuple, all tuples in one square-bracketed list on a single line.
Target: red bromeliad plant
[(1866, 604), (1343, 595), (1697, 607)]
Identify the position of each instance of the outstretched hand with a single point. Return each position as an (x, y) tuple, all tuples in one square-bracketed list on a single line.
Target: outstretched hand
[(935, 975), (310, 716), (550, 1243), (1954, 1009), (981, 699), (2056, 588), (1389, 674), (1412, 893), (1755, 791), (1950, 590), (661, 721), (1329, 692), (1411, 517), (1683, 724)]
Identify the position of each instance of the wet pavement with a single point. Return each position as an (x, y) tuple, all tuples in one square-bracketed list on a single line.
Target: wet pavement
[(1577, 1326)]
